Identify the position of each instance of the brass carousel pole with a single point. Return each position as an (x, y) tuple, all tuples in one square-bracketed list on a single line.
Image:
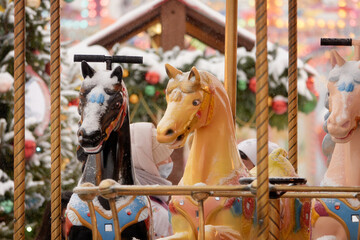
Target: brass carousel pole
[(55, 120), (19, 120), (262, 113), (230, 53), (292, 75)]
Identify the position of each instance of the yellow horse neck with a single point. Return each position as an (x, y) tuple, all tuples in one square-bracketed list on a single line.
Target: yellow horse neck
[(214, 158), (345, 163)]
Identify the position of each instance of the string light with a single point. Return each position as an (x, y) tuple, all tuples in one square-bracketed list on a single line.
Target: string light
[(242, 23), (341, 24), (331, 24), (84, 3), (279, 3), (342, 13), (251, 22), (84, 13), (104, 3), (104, 12), (311, 22), (279, 23), (342, 3), (301, 24), (92, 13), (321, 23)]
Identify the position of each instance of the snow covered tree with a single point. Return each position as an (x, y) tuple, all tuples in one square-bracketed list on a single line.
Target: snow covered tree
[(146, 82), (37, 115)]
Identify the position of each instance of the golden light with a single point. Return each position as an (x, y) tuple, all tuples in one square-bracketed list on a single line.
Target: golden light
[(342, 3), (251, 22), (352, 35), (331, 24), (342, 13), (279, 3), (155, 29), (301, 24), (321, 23), (279, 23), (252, 3), (311, 22), (341, 24)]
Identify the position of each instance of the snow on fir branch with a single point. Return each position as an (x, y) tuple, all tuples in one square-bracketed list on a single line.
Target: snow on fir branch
[(146, 82)]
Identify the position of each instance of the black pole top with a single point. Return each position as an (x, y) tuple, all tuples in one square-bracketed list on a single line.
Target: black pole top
[(108, 59), (335, 41)]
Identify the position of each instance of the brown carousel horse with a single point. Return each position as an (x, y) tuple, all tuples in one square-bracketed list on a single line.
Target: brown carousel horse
[(197, 102), (339, 218), (104, 138)]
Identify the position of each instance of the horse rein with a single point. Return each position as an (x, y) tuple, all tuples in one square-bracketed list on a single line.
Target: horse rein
[(208, 101), (119, 120)]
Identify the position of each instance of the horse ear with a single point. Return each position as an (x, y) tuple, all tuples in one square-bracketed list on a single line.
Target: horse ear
[(171, 71), (194, 73), (87, 70), (117, 73), (336, 59)]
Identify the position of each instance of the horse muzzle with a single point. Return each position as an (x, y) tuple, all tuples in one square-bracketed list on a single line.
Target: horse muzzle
[(91, 142)]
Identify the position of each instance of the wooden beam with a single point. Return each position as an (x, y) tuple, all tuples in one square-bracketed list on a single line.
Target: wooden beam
[(213, 41), (215, 29), (128, 31), (173, 18)]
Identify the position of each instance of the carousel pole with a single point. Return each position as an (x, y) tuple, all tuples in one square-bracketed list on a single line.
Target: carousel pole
[(19, 120), (292, 75), (230, 53), (55, 120), (262, 121)]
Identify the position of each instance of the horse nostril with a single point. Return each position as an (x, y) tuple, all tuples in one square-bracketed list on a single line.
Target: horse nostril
[(346, 124), (169, 132), (80, 132)]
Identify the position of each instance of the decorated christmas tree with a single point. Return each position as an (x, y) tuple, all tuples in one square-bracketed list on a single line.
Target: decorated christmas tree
[(146, 82), (37, 116)]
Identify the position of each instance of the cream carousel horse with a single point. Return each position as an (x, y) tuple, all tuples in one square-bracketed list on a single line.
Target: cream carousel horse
[(340, 217), (197, 102)]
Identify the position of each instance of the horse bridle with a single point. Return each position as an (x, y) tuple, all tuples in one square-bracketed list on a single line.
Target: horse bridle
[(119, 120), (208, 101)]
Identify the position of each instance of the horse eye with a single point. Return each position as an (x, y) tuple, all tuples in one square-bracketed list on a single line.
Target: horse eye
[(196, 102), (117, 105)]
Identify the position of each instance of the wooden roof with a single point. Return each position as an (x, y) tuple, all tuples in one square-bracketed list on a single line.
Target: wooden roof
[(177, 18)]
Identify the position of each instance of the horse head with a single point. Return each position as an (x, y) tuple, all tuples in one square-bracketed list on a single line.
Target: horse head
[(189, 102), (343, 95), (103, 106)]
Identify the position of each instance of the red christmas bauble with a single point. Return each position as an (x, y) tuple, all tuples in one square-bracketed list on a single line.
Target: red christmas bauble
[(152, 77), (310, 83), (279, 105), (252, 85), (30, 147), (74, 102)]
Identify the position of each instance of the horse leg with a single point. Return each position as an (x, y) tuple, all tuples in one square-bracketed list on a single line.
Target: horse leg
[(328, 226), (221, 232)]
